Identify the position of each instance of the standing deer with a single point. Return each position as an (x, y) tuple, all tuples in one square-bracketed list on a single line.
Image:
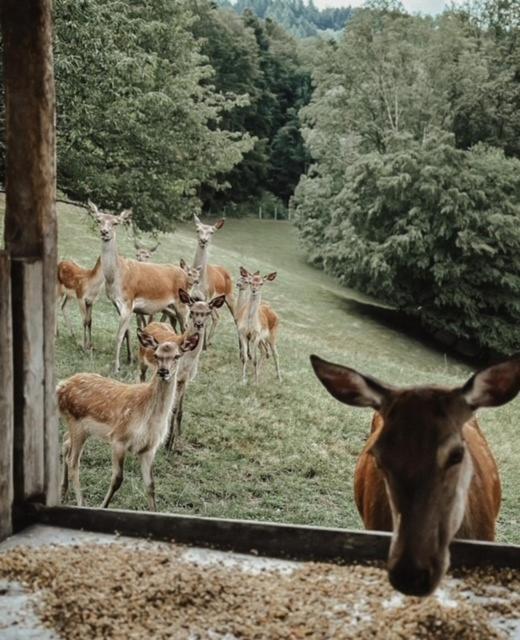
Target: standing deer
[(84, 285), (214, 280), (257, 325), (135, 286), (133, 418), (200, 312), (426, 472)]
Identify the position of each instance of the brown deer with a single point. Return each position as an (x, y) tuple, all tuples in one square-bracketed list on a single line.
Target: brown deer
[(132, 418), (257, 325), (200, 313), (214, 279), (84, 285), (426, 472), (134, 286)]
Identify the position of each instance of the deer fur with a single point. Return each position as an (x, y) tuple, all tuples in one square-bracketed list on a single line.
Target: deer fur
[(134, 286), (214, 280), (84, 285), (200, 313), (132, 418), (257, 325)]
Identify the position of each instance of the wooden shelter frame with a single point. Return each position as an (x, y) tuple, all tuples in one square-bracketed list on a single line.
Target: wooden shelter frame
[(29, 442)]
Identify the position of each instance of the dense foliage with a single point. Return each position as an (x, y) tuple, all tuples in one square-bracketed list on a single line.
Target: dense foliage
[(139, 123), (258, 59), (413, 193), (301, 19)]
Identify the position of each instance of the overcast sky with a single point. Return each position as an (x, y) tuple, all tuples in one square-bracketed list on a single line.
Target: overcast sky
[(413, 6)]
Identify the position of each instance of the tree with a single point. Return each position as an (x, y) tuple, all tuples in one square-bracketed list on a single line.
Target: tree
[(138, 121)]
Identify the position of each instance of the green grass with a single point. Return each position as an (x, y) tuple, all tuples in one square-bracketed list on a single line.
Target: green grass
[(283, 452)]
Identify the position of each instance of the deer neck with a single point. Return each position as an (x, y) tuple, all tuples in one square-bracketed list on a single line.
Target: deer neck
[(254, 306), (162, 399), (201, 260), (110, 260), (242, 299)]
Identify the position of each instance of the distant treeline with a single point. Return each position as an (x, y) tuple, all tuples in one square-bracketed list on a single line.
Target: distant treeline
[(300, 18)]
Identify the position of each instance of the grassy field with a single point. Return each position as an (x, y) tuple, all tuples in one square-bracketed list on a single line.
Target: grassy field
[(282, 452)]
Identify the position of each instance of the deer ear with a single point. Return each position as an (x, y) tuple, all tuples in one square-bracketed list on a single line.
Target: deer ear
[(182, 263), (185, 297), (244, 273), (219, 224), (147, 340), (270, 276), (190, 343), (349, 386), (196, 219), (125, 215), (493, 386), (94, 211), (217, 302)]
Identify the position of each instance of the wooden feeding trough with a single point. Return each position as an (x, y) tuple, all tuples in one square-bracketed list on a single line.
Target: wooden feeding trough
[(29, 447)]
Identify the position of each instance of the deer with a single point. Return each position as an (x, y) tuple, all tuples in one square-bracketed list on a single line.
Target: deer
[(426, 472), (143, 253), (257, 325), (83, 284), (214, 279), (134, 286), (199, 314), (132, 418)]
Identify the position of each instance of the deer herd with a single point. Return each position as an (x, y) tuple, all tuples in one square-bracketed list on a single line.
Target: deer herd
[(426, 472), (138, 418)]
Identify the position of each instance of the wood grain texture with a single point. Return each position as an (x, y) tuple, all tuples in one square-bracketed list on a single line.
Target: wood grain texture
[(262, 538), (6, 399), (31, 234)]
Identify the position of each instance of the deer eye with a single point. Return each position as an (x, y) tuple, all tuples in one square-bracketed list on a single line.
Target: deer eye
[(456, 456)]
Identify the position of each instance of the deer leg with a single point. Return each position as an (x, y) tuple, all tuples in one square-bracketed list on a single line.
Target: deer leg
[(254, 353), (128, 348), (274, 351), (175, 425), (65, 452), (66, 317), (146, 460), (77, 441), (214, 321), (118, 459), (87, 326), (244, 347), (122, 332)]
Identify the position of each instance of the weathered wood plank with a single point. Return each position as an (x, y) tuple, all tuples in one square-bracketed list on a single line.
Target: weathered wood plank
[(30, 221), (29, 474), (6, 399), (263, 538)]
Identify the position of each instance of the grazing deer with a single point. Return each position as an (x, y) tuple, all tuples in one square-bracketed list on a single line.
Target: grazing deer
[(200, 312), (133, 418), (134, 286), (214, 280), (257, 326), (84, 285), (426, 472)]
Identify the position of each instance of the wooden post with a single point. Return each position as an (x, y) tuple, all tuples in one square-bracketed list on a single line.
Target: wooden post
[(6, 399), (30, 239)]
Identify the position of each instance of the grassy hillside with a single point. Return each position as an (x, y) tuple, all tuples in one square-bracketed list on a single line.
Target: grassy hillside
[(283, 452)]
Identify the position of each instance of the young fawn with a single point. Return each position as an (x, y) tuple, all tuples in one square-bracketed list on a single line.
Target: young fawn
[(257, 326), (132, 418), (84, 285), (199, 314)]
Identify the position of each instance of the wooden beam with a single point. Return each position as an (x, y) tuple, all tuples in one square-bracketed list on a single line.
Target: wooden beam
[(6, 399), (262, 538), (31, 237)]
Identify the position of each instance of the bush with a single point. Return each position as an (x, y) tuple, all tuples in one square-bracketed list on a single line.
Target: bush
[(429, 228)]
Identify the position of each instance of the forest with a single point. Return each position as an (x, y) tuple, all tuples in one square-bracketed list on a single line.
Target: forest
[(395, 148)]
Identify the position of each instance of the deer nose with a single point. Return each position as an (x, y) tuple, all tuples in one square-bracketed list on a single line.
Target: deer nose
[(411, 580), (164, 373)]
